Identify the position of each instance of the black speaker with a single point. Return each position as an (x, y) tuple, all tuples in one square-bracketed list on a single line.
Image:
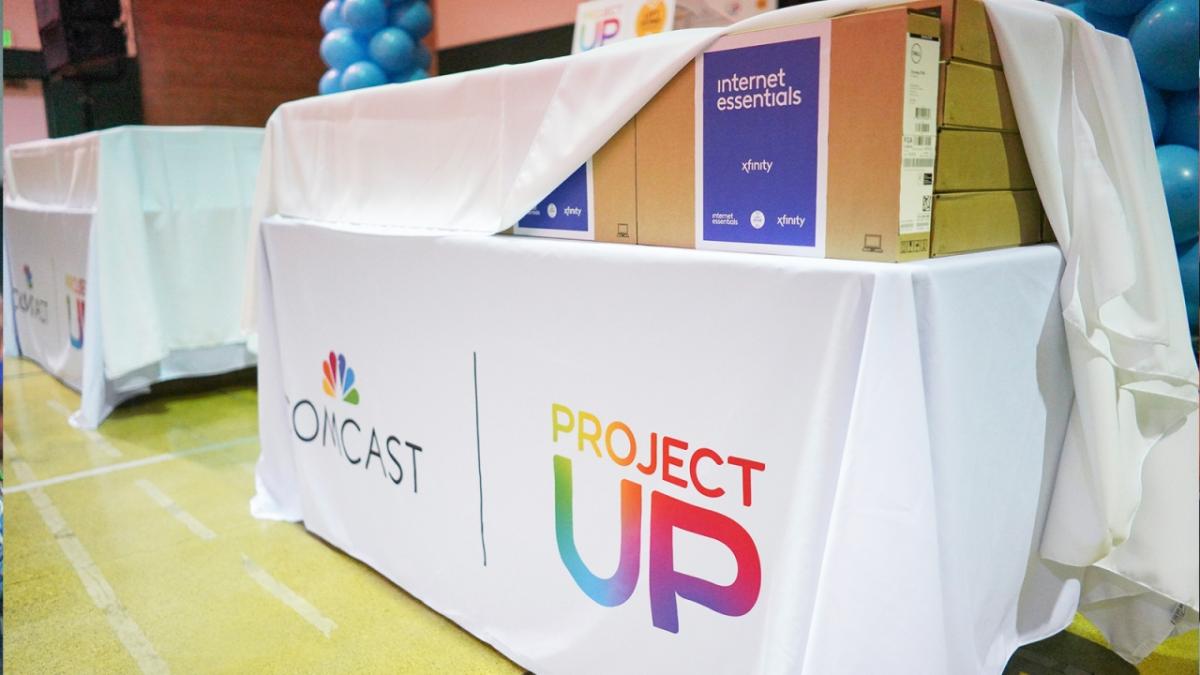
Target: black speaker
[(79, 35), (54, 11)]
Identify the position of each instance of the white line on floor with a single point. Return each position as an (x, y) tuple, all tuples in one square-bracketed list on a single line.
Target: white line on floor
[(133, 464), (58, 408), (101, 444), (160, 498), (288, 597), (102, 594), (98, 446)]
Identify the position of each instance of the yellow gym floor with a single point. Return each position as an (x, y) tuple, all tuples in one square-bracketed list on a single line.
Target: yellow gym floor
[(133, 547)]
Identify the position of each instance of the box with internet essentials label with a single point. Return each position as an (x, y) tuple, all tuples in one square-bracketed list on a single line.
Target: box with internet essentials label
[(814, 139), (597, 202)]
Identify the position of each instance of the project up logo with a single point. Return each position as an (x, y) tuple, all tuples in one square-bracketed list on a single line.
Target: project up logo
[(379, 454), (28, 302), (705, 473)]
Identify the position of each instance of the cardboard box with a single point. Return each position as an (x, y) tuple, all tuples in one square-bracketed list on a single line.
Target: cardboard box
[(597, 202), (666, 164), (975, 97), (966, 31), (976, 221), (969, 160), (814, 139), (1047, 231)]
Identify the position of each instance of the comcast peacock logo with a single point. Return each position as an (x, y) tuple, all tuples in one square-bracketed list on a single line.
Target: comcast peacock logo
[(339, 380), (366, 448)]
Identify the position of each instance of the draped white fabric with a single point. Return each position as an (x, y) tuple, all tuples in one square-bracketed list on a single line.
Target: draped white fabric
[(160, 230), (905, 421), (471, 153)]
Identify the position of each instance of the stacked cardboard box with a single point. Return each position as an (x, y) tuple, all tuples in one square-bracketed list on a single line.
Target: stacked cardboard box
[(847, 138), (984, 195), (796, 140)]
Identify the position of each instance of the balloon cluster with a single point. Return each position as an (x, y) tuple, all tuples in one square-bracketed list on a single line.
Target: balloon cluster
[(1165, 37), (373, 42)]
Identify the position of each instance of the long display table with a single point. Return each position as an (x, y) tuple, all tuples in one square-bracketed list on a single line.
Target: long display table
[(609, 458), (126, 256)]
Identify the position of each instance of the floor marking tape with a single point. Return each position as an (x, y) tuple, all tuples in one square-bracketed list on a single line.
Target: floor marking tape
[(289, 597), (133, 464), (97, 587), (160, 498)]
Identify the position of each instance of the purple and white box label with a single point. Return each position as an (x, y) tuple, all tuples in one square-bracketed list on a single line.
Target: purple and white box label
[(762, 110), (566, 212)]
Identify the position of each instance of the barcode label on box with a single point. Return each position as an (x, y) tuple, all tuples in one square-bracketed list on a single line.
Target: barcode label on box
[(918, 144)]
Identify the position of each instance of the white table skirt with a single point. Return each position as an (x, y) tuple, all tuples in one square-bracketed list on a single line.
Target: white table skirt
[(127, 255), (855, 449)]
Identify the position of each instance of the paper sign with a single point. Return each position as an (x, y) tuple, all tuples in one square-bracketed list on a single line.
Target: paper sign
[(603, 22)]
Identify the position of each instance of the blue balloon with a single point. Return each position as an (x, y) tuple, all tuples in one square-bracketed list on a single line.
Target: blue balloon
[(339, 48), (331, 16), (331, 82), (1182, 120), (1157, 108), (1190, 275), (1177, 164), (1117, 25), (1166, 44), (415, 18), (417, 74), (363, 74), (421, 57), (392, 49), (1117, 7), (364, 16)]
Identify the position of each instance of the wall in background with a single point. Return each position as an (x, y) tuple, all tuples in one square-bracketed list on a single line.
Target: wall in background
[(21, 19), (461, 22), (221, 62), (24, 112)]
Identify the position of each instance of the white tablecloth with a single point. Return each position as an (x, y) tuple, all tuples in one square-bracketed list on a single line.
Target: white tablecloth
[(127, 254), (473, 152), (907, 419)]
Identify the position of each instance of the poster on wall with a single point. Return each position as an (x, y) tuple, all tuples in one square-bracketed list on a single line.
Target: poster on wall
[(602, 22)]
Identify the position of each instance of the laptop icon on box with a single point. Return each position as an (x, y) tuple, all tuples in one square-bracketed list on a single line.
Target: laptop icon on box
[(873, 243)]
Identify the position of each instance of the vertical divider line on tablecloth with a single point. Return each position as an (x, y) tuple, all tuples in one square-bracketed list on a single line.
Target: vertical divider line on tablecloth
[(478, 461)]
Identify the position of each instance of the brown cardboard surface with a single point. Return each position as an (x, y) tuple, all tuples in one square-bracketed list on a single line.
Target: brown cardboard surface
[(614, 188), (1048, 232), (972, 160), (976, 221), (966, 31), (971, 36), (866, 101), (666, 164), (975, 97)]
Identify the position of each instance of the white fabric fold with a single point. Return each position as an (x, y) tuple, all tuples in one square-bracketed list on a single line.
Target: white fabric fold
[(1085, 128)]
